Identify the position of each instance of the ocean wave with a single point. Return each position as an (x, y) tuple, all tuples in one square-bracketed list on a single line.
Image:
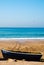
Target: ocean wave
[(21, 38)]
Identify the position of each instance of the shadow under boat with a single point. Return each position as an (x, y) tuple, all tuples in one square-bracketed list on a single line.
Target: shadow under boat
[(29, 56)]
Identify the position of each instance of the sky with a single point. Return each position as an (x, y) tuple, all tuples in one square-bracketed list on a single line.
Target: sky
[(21, 13)]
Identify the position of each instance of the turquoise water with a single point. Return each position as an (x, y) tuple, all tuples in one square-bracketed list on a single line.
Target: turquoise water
[(21, 32)]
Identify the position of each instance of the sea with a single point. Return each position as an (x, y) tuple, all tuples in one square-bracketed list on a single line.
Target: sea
[(21, 33)]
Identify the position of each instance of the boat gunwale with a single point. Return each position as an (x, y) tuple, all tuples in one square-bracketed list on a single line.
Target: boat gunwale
[(18, 52)]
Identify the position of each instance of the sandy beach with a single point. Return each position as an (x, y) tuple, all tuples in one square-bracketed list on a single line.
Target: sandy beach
[(11, 62), (25, 45)]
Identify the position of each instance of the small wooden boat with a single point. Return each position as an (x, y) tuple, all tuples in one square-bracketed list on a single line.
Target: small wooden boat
[(21, 55)]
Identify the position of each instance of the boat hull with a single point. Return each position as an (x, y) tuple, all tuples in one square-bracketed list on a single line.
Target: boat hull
[(20, 56)]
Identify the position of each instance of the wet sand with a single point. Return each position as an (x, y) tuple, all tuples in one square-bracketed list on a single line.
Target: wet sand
[(25, 46)]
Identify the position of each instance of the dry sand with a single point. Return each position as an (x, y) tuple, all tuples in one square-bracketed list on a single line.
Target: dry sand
[(27, 46), (11, 62)]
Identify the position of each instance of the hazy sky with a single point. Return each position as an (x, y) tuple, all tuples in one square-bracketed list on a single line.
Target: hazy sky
[(22, 13)]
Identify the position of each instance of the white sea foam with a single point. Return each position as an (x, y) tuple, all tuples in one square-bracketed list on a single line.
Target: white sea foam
[(21, 38)]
